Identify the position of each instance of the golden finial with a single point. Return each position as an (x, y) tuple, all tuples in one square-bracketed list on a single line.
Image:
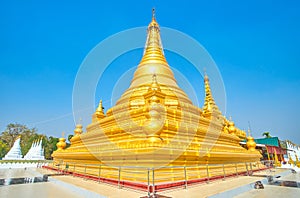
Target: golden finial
[(153, 13), (63, 134), (205, 75), (101, 105), (249, 129)]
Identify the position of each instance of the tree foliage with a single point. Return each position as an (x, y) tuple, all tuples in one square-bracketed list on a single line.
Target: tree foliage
[(28, 136), (13, 131), (267, 134), (3, 148), (50, 146), (70, 137)]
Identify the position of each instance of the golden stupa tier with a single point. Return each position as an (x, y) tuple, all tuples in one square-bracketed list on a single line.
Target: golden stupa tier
[(155, 124)]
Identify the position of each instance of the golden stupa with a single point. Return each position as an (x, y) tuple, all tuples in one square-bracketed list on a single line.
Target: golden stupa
[(155, 125)]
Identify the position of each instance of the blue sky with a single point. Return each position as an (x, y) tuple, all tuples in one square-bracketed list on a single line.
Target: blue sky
[(254, 43)]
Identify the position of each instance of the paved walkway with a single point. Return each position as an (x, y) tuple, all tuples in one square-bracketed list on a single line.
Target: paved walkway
[(69, 186), (200, 190), (272, 192), (206, 190), (102, 189), (40, 190), (275, 191)]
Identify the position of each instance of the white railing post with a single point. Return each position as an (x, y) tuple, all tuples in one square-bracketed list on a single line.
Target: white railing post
[(148, 179), (85, 171), (207, 173), (224, 172), (99, 174), (185, 178), (119, 177), (247, 169), (74, 170), (153, 183)]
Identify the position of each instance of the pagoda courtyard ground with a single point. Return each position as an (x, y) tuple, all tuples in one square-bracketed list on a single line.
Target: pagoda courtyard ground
[(69, 186)]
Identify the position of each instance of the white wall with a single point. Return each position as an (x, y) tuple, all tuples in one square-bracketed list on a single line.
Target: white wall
[(21, 165)]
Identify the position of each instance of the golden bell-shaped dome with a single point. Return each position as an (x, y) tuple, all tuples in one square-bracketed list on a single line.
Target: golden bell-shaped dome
[(153, 63), (154, 124), (250, 143), (78, 129), (61, 145), (231, 128)]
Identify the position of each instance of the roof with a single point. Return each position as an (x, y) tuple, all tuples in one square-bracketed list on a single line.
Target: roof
[(273, 141)]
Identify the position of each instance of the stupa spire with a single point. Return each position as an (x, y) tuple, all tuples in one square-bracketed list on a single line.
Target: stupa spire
[(153, 62), (153, 14), (99, 113), (100, 110), (153, 52), (15, 152), (153, 125), (209, 102)]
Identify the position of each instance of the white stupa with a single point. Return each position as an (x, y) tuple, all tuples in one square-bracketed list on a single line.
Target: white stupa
[(36, 152), (15, 152)]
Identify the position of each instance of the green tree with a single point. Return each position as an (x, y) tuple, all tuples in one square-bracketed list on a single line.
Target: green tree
[(50, 146), (3, 149), (15, 130), (28, 137), (267, 134), (70, 137), (11, 133)]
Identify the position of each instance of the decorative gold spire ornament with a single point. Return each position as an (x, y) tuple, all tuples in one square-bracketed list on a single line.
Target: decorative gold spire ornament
[(297, 161), (291, 162), (78, 130), (277, 162), (251, 144), (210, 106), (61, 145), (155, 124), (99, 113)]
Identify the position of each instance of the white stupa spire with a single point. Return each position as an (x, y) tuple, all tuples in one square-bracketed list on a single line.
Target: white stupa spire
[(36, 152), (15, 152)]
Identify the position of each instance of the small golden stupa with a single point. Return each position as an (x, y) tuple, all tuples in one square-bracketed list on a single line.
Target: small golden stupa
[(154, 124)]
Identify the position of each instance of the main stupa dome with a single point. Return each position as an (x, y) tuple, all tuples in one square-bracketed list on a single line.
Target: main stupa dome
[(154, 124)]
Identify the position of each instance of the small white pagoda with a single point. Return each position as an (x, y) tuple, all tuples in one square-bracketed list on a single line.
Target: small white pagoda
[(15, 152), (36, 152)]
